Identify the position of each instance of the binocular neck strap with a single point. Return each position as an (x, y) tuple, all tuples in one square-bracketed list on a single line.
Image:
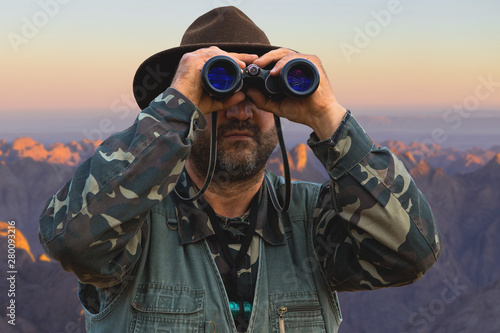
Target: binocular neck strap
[(211, 163), (270, 187), (286, 170)]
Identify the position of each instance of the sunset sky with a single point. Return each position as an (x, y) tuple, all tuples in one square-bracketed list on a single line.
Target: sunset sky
[(65, 60)]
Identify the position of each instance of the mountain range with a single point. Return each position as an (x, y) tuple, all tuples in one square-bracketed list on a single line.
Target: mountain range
[(461, 293)]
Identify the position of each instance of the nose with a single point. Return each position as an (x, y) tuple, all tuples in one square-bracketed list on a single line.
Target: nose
[(241, 111)]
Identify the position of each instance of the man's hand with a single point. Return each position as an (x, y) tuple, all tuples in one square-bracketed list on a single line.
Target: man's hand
[(187, 79), (320, 111)]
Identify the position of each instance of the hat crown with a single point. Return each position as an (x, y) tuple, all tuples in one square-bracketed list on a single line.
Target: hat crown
[(225, 25)]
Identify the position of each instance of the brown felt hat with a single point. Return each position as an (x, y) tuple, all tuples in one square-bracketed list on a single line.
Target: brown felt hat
[(226, 27)]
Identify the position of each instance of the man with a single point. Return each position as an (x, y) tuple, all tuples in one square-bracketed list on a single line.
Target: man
[(149, 261)]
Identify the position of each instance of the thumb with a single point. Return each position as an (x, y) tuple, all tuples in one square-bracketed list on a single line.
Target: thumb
[(233, 100), (210, 104), (261, 101)]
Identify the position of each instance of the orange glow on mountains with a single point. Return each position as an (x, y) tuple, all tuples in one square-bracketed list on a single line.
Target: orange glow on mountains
[(43, 257), (301, 156), (21, 241), (58, 153), (27, 147)]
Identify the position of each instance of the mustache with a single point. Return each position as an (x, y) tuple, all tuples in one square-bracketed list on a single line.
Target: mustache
[(236, 125)]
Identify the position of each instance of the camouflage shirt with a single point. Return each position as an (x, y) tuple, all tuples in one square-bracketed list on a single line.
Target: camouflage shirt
[(373, 227)]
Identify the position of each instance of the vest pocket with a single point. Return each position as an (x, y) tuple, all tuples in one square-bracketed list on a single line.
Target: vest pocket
[(164, 308), (296, 312)]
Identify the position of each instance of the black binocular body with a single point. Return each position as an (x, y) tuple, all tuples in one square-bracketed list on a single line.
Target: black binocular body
[(222, 77)]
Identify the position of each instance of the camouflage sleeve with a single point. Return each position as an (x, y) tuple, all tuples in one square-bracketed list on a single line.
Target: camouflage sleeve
[(373, 228), (95, 224)]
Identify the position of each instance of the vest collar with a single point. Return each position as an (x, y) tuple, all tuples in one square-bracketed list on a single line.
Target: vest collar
[(194, 224)]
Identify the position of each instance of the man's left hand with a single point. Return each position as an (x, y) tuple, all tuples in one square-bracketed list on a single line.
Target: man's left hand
[(320, 111)]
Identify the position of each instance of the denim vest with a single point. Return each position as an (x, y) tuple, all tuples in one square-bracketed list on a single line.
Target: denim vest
[(178, 288)]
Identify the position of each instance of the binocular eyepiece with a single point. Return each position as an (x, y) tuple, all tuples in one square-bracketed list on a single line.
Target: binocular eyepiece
[(222, 77)]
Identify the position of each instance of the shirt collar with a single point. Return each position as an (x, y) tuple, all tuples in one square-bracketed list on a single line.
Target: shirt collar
[(195, 225)]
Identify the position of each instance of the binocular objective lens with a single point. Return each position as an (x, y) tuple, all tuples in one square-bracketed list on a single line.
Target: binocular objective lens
[(220, 78), (299, 79)]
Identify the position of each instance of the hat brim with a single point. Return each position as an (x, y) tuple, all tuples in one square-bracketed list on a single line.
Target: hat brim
[(155, 74)]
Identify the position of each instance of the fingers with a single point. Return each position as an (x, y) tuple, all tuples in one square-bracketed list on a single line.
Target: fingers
[(187, 79), (246, 58), (280, 57), (231, 101), (272, 57), (242, 59), (261, 101)]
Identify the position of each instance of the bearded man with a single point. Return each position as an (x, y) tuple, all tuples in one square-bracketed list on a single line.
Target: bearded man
[(149, 261)]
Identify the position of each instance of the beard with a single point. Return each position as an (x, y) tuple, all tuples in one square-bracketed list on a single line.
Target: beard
[(237, 160)]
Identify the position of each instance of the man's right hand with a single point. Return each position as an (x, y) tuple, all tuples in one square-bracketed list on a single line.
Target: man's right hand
[(187, 79)]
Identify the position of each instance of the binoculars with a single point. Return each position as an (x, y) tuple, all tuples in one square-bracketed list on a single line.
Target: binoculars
[(222, 77)]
